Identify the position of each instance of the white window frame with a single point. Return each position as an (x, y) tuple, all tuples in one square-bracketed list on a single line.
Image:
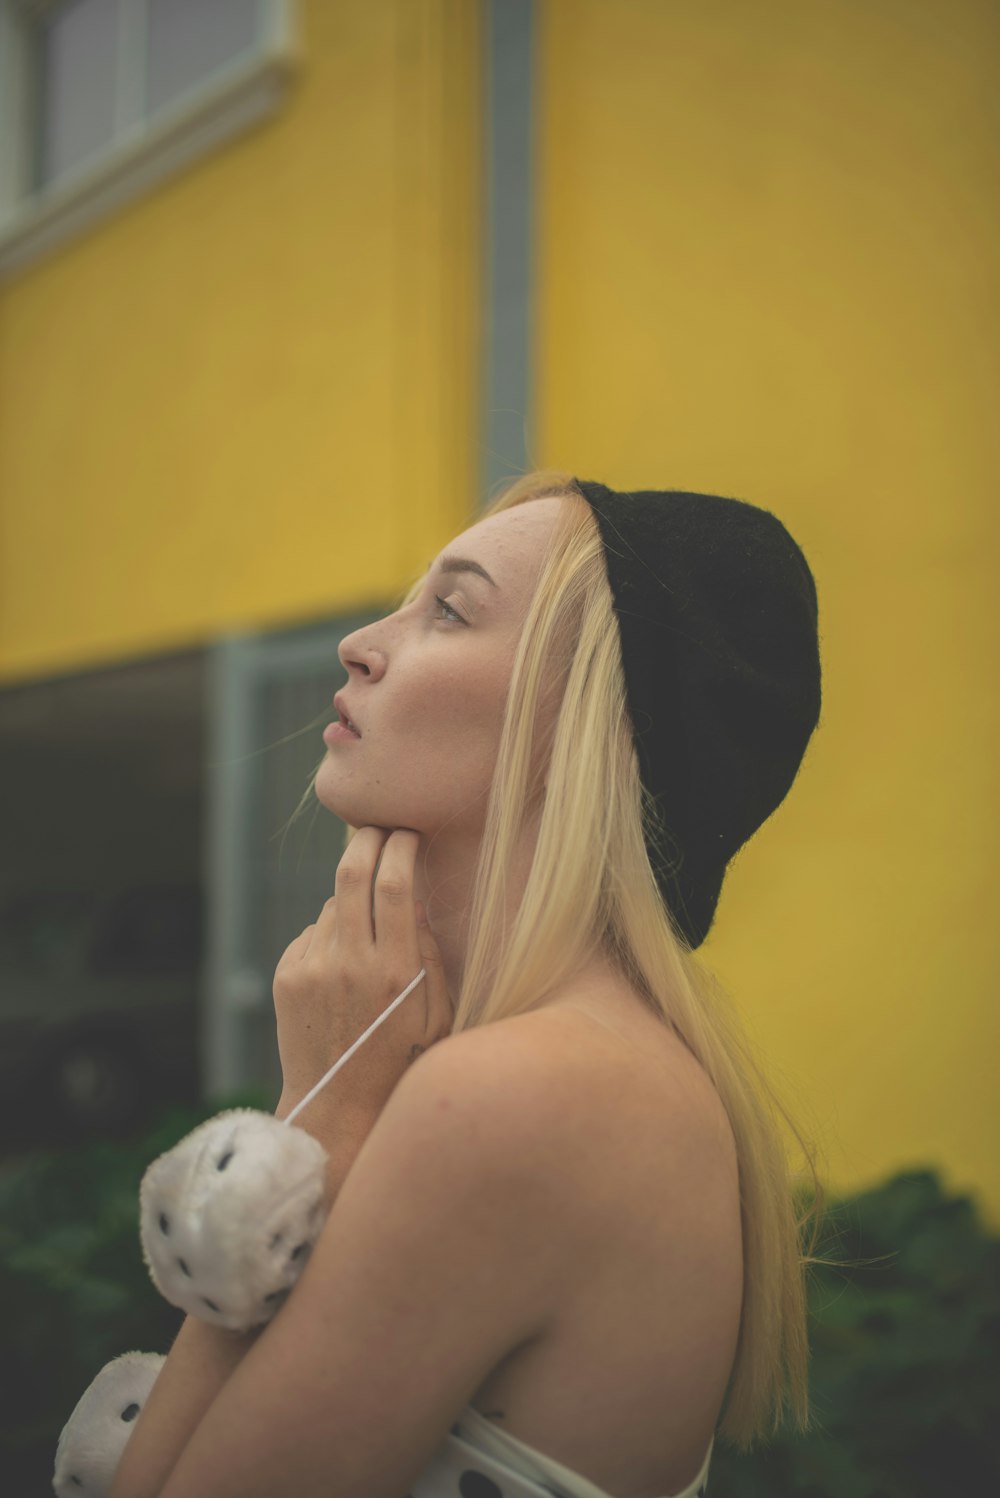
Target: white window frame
[(35, 220)]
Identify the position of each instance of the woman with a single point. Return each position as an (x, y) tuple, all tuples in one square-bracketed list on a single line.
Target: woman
[(565, 1236)]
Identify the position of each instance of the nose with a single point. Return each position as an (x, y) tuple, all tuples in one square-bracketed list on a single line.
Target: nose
[(358, 654)]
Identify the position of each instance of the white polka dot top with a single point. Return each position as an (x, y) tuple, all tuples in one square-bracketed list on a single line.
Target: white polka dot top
[(479, 1460)]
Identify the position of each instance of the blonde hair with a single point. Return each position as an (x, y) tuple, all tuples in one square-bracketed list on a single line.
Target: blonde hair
[(590, 886)]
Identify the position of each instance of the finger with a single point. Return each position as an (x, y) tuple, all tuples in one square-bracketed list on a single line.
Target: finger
[(395, 917), (350, 919)]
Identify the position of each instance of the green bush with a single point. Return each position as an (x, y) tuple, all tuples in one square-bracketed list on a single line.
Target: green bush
[(74, 1291), (905, 1371), (905, 1365)]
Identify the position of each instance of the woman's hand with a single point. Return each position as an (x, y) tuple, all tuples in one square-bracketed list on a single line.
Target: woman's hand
[(336, 978)]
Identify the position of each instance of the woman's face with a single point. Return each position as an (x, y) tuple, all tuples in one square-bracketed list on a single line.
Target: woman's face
[(427, 685)]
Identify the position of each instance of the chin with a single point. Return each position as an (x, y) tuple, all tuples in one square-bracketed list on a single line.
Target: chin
[(358, 809), (347, 808), (396, 805)]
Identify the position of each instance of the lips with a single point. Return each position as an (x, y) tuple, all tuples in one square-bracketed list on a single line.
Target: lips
[(345, 716)]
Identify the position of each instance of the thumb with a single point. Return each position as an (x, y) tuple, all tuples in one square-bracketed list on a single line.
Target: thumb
[(440, 1009)]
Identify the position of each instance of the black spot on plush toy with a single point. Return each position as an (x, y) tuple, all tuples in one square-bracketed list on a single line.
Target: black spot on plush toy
[(227, 1221)]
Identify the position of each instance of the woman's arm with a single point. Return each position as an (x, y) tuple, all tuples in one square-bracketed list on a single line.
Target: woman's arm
[(329, 989), (422, 1281), (200, 1361)]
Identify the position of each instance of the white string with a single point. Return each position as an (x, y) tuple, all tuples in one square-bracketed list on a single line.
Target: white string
[(351, 1049)]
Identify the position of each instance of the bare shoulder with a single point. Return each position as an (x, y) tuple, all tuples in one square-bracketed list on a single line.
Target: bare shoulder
[(580, 1039), (517, 1082), (582, 1083), (638, 1212)]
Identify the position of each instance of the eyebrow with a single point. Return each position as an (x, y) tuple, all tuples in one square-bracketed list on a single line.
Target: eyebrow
[(463, 564)]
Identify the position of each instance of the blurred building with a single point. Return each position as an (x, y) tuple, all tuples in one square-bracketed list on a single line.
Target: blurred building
[(289, 285)]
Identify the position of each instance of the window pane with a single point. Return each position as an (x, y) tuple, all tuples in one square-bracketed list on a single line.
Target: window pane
[(191, 39), (77, 54)]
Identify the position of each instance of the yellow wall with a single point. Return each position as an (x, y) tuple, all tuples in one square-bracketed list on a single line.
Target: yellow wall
[(251, 398), (767, 253), (766, 245)]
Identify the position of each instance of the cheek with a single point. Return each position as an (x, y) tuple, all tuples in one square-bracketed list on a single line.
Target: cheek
[(469, 714), (465, 736)]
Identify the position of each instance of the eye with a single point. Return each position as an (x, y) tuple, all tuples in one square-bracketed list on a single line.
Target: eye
[(456, 617)]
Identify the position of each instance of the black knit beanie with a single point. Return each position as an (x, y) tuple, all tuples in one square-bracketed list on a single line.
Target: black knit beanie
[(717, 615)]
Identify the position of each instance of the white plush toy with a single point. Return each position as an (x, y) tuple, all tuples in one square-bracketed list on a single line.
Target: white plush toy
[(227, 1220), (229, 1216), (94, 1436)]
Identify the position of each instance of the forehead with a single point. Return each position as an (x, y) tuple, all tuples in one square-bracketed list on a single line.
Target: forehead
[(513, 543)]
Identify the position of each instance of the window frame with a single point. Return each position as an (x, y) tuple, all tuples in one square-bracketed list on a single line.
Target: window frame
[(37, 219)]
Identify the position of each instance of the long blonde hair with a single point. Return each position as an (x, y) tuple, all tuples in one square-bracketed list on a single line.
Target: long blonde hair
[(590, 886)]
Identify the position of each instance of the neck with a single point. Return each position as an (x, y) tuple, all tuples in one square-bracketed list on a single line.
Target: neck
[(443, 880)]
